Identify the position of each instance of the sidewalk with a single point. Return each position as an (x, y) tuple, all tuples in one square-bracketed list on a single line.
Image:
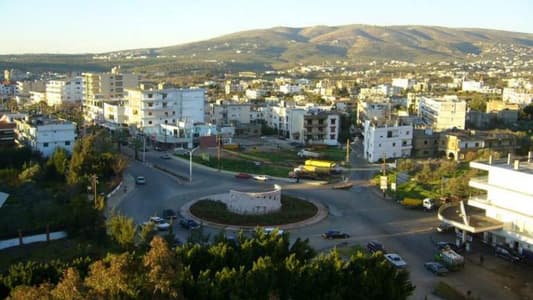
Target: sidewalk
[(124, 188)]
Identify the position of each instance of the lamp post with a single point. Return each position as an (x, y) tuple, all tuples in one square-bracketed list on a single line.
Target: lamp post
[(190, 163)]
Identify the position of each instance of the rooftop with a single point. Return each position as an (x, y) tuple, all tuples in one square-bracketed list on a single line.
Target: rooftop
[(524, 165)]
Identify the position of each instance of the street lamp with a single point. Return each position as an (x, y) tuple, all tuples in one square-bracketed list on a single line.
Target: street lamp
[(190, 163)]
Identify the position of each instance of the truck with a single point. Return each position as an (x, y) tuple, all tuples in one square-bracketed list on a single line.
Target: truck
[(231, 146), (451, 259), (315, 169), (427, 203), (306, 153)]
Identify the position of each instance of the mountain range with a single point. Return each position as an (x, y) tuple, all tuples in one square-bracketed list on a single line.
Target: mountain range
[(285, 46)]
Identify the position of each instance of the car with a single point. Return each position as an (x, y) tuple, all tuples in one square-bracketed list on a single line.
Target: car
[(159, 223), (158, 148), (169, 214), (189, 224), (507, 254), (396, 260), (436, 268), (260, 177), (375, 246), (448, 245), (335, 234), (140, 180), (269, 230), (243, 176), (165, 156), (445, 227)]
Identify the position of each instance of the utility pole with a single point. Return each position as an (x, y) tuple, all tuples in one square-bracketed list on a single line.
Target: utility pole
[(144, 147), (347, 150)]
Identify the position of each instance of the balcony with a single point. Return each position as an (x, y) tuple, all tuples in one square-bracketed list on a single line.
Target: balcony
[(481, 183)]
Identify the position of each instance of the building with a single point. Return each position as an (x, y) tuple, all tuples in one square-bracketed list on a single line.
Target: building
[(443, 113), (7, 132), (503, 213), (147, 109), (252, 202), (384, 140), (290, 89), (472, 86), (425, 143), (224, 113), (522, 97), (108, 85), (403, 83), (373, 110), (64, 90), (322, 128), (457, 144), (46, 134)]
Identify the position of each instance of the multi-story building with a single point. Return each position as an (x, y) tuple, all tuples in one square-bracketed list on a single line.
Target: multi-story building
[(147, 109), (46, 134), (384, 140), (64, 90), (7, 132), (290, 89), (372, 110), (472, 86), (442, 113), (403, 83), (230, 113), (425, 143), (322, 128), (503, 214), (108, 85), (522, 97)]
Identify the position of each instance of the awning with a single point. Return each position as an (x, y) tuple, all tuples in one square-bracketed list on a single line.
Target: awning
[(468, 218)]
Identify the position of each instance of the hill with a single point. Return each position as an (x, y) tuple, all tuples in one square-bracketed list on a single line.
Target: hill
[(285, 46)]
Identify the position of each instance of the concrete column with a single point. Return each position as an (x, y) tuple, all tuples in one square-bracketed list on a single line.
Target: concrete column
[(485, 237)]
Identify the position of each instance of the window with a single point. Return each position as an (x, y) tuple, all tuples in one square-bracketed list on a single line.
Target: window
[(404, 143), (45, 145), (379, 145), (150, 122), (407, 132), (331, 136), (425, 142), (477, 144), (333, 121), (393, 144), (67, 143)]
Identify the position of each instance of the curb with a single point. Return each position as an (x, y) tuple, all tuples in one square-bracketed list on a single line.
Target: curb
[(321, 214)]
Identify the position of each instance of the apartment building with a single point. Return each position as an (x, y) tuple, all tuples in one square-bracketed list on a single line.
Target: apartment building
[(7, 132), (225, 112), (108, 85), (46, 134), (384, 140), (403, 83), (443, 113), (522, 97), (64, 90), (377, 109), (322, 127)]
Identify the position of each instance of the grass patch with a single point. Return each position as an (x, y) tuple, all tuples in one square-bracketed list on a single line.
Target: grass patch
[(64, 249), (292, 210), (334, 154), (244, 166), (445, 291)]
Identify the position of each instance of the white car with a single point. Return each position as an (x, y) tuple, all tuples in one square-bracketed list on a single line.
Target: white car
[(260, 177), (159, 223), (269, 230), (396, 260)]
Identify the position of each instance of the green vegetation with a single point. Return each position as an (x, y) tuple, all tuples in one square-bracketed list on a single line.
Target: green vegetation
[(265, 266), (242, 165), (292, 210)]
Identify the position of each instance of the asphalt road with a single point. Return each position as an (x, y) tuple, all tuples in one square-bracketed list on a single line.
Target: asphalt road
[(361, 212)]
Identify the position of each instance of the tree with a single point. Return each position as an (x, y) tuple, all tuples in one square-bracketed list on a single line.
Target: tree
[(70, 287), (122, 230), (24, 292), (113, 278), (57, 163), (119, 164), (30, 172), (163, 270)]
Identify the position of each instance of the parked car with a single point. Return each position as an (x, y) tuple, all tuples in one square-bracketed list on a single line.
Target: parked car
[(261, 177), (243, 176), (140, 180), (396, 260), (445, 227), (507, 253), (165, 156), (169, 214), (335, 234), (189, 224), (158, 148), (375, 246), (436, 268)]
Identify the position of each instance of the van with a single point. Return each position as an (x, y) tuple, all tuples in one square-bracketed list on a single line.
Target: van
[(506, 253)]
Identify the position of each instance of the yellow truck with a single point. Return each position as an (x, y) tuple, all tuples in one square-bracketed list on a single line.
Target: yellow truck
[(427, 203), (321, 163)]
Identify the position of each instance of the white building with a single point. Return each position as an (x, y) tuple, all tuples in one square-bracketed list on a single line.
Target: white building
[(290, 89), (64, 90), (223, 113), (322, 127), (518, 96), (382, 140), (504, 213), (147, 109), (253, 94), (45, 134), (472, 86), (373, 110), (403, 83), (443, 113)]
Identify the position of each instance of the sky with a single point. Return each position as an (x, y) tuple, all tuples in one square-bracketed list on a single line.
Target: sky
[(93, 26)]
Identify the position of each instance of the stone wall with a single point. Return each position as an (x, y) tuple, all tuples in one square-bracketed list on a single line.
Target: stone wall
[(252, 203)]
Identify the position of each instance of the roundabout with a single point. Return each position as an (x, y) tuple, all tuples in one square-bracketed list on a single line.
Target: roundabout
[(275, 210)]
